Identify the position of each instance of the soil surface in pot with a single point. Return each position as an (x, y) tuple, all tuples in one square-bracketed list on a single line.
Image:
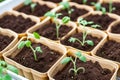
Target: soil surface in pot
[(77, 45), (116, 29), (114, 4), (45, 60), (5, 41), (16, 23), (39, 10), (87, 3), (49, 31), (55, 1), (93, 71), (110, 50), (77, 12), (103, 20)]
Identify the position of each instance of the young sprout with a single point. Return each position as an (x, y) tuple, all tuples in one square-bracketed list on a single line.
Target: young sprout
[(3, 70), (75, 69), (83, 22), (99, 7), (32, 4), (111, 8), (53, 15), (84, 1), (66, 5), (89, 42), (28, 44)]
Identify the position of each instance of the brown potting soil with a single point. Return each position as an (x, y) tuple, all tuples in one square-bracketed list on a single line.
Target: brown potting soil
[(93, 71), (5, 41), (74, 15), (114, 4), (88, 2), (16, 23), (49, 31), (39, 10), (55, 1), (103, 20), (45, 60), (110, 50), (77, 45), (116, 29)]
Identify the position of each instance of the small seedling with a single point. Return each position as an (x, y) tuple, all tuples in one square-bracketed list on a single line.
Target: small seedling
[(32, 4), (84, 1), (89, 42), (75, 69), (83, 22), (28, 44), (111, 8), (66, 5), (3, 70), (53, 15), (99, 7)]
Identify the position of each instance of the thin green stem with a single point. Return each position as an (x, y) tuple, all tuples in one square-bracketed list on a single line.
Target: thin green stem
[(84, 37), (34, 53), (74, 66)]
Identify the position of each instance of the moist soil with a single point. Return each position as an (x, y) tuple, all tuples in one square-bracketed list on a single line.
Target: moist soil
[(74, 15), (39, 10), (55, 1), (49, 31), (88, 2), (103, 20), (77, 45), (5, 41), (45, 60), (110, 50), (93, 71), (115, 4), (16, 23), (116, 29)]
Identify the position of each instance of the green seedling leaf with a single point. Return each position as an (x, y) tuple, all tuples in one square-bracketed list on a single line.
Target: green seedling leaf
[(36, 35), (90, 42), (103, 10), (38, 49), (97, 6), (84, 1), (72, 39), (12, 68), (6, 77), (50, 14), (83, 58), (1, 70), (95, 26), (3, 63), (65, 4), (65, 19), (78, 54), (21, 44), (27, 2), (33, 5), (28, 43), (66, 60)]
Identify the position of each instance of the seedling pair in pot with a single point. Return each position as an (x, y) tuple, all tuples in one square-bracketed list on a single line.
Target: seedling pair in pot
[(103, 9)]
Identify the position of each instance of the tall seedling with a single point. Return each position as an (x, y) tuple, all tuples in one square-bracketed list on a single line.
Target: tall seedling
[(54, 16), (28, 44)]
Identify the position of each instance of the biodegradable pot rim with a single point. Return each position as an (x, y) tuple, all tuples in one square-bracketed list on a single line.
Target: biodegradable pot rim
[(47, 20), (49, 4), (114, 67), (9, 33), (60, 48), (110, 28), (93, 32), (107, 1), (15, 13), (110, 37)]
